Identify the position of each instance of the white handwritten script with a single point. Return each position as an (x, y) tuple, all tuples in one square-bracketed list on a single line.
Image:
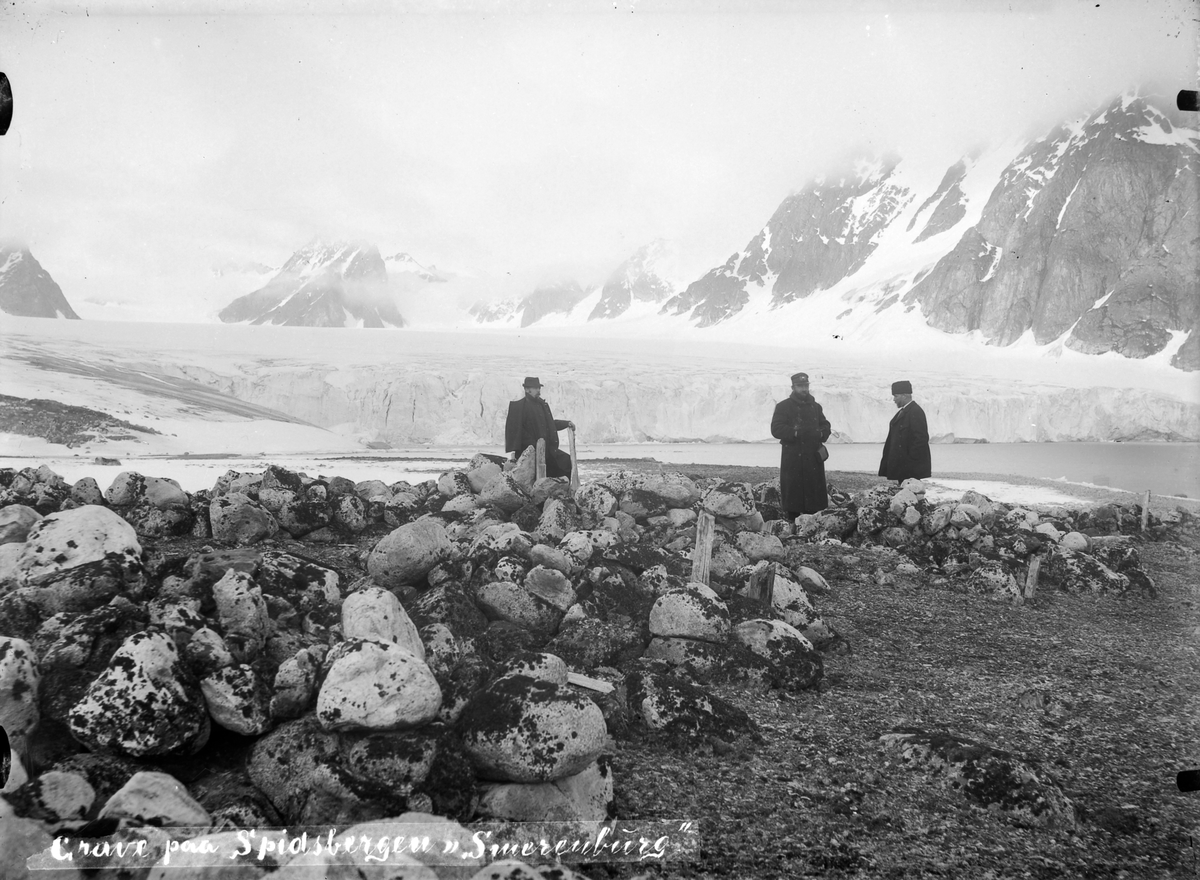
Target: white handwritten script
[(380, 842)]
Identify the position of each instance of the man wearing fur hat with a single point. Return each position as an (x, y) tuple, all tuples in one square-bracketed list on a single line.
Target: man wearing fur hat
[(906, 452), (800, 426), (530, 420)]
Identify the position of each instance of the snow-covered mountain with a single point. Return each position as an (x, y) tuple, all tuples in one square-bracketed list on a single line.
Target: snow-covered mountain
[(323, 285), (402, 264), (559, 298), (1081, 238), (1092, 235), (27, 289)]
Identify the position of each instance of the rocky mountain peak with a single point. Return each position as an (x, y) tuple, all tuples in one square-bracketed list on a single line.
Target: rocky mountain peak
[(339, 284), (645, 277), (26, 289)]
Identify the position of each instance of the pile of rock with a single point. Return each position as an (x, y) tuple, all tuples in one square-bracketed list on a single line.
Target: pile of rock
[(490, 634), (993, 548)]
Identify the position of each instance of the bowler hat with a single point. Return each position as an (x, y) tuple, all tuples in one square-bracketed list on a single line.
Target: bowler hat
[(800, 378), (532, 382), (902, 387)]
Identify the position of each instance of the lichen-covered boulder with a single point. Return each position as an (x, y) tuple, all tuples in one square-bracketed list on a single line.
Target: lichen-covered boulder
[(550, 585), (729, 500), (87, 491), (758, 546), (504, 492), (595, 501), (522, 730), (19, 680), (694, 612), (377, 615), (683, 711), (242, 613), (389, 763), (144, 704), (407, 554), (540, 666), (502, 600), (238, 699), (785, 648), (75, 538), (295, 685), (992, 580), (557, 520), (376, 686), (236, 519), (701, 659), (588, 643), (992, 778)]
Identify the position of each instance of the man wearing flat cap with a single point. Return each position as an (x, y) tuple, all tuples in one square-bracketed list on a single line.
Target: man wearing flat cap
[(530, 420), (801, 427), (906, 452)]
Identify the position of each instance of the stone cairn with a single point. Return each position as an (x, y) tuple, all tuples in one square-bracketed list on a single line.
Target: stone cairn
[(480, 644)]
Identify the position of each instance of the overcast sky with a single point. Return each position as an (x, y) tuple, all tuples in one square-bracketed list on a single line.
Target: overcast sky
[(152, 141)]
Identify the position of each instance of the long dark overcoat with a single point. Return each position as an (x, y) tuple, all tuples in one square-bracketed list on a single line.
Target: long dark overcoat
[(801, 427), (906, 452), (529, 420)]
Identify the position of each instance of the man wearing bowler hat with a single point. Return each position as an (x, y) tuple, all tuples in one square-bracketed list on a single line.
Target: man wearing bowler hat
[(530, 420), (801, 427), (906, 452)]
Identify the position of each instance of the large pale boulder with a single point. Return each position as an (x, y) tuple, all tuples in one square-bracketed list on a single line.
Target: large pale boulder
[(376, 686), (236, 519), (406, 555), (19, 680), (144, 704), (582, 797), (74, 538), (375, 614), (238, 699), (522, 730), (505, 493), (695, 612), (729, 500), (758, 546), (242, 613), (153, 798)]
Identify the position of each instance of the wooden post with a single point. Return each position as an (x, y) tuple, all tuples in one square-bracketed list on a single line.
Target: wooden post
[(1031, 579), (541, 459), (702, 554), (574, 465), (1146, 510), (762, 584)]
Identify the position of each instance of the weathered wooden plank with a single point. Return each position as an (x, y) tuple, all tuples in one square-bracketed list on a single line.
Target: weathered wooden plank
[(541, 459), (574, 465), (702, 554), (593, 684)]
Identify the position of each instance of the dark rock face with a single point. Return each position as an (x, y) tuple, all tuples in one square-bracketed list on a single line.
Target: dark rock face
[(1085, 234), (27, 289), (551, 300), (322, 286), (815, 238), (948, 203)]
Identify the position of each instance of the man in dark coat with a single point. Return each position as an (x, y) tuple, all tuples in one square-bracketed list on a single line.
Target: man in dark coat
[(906, 452), (800, 425), (530, 420)]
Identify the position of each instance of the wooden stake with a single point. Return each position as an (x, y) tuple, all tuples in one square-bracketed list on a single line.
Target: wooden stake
[(574, 466), (1031, 579), (541, 459), (762, 584), (1146, 510), (702, 554)]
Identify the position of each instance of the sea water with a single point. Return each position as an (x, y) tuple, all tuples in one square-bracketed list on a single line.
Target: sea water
[(1163, 468)]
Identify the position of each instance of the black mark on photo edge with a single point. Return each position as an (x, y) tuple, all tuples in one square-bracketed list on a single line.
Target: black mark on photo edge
[(6, 104)]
